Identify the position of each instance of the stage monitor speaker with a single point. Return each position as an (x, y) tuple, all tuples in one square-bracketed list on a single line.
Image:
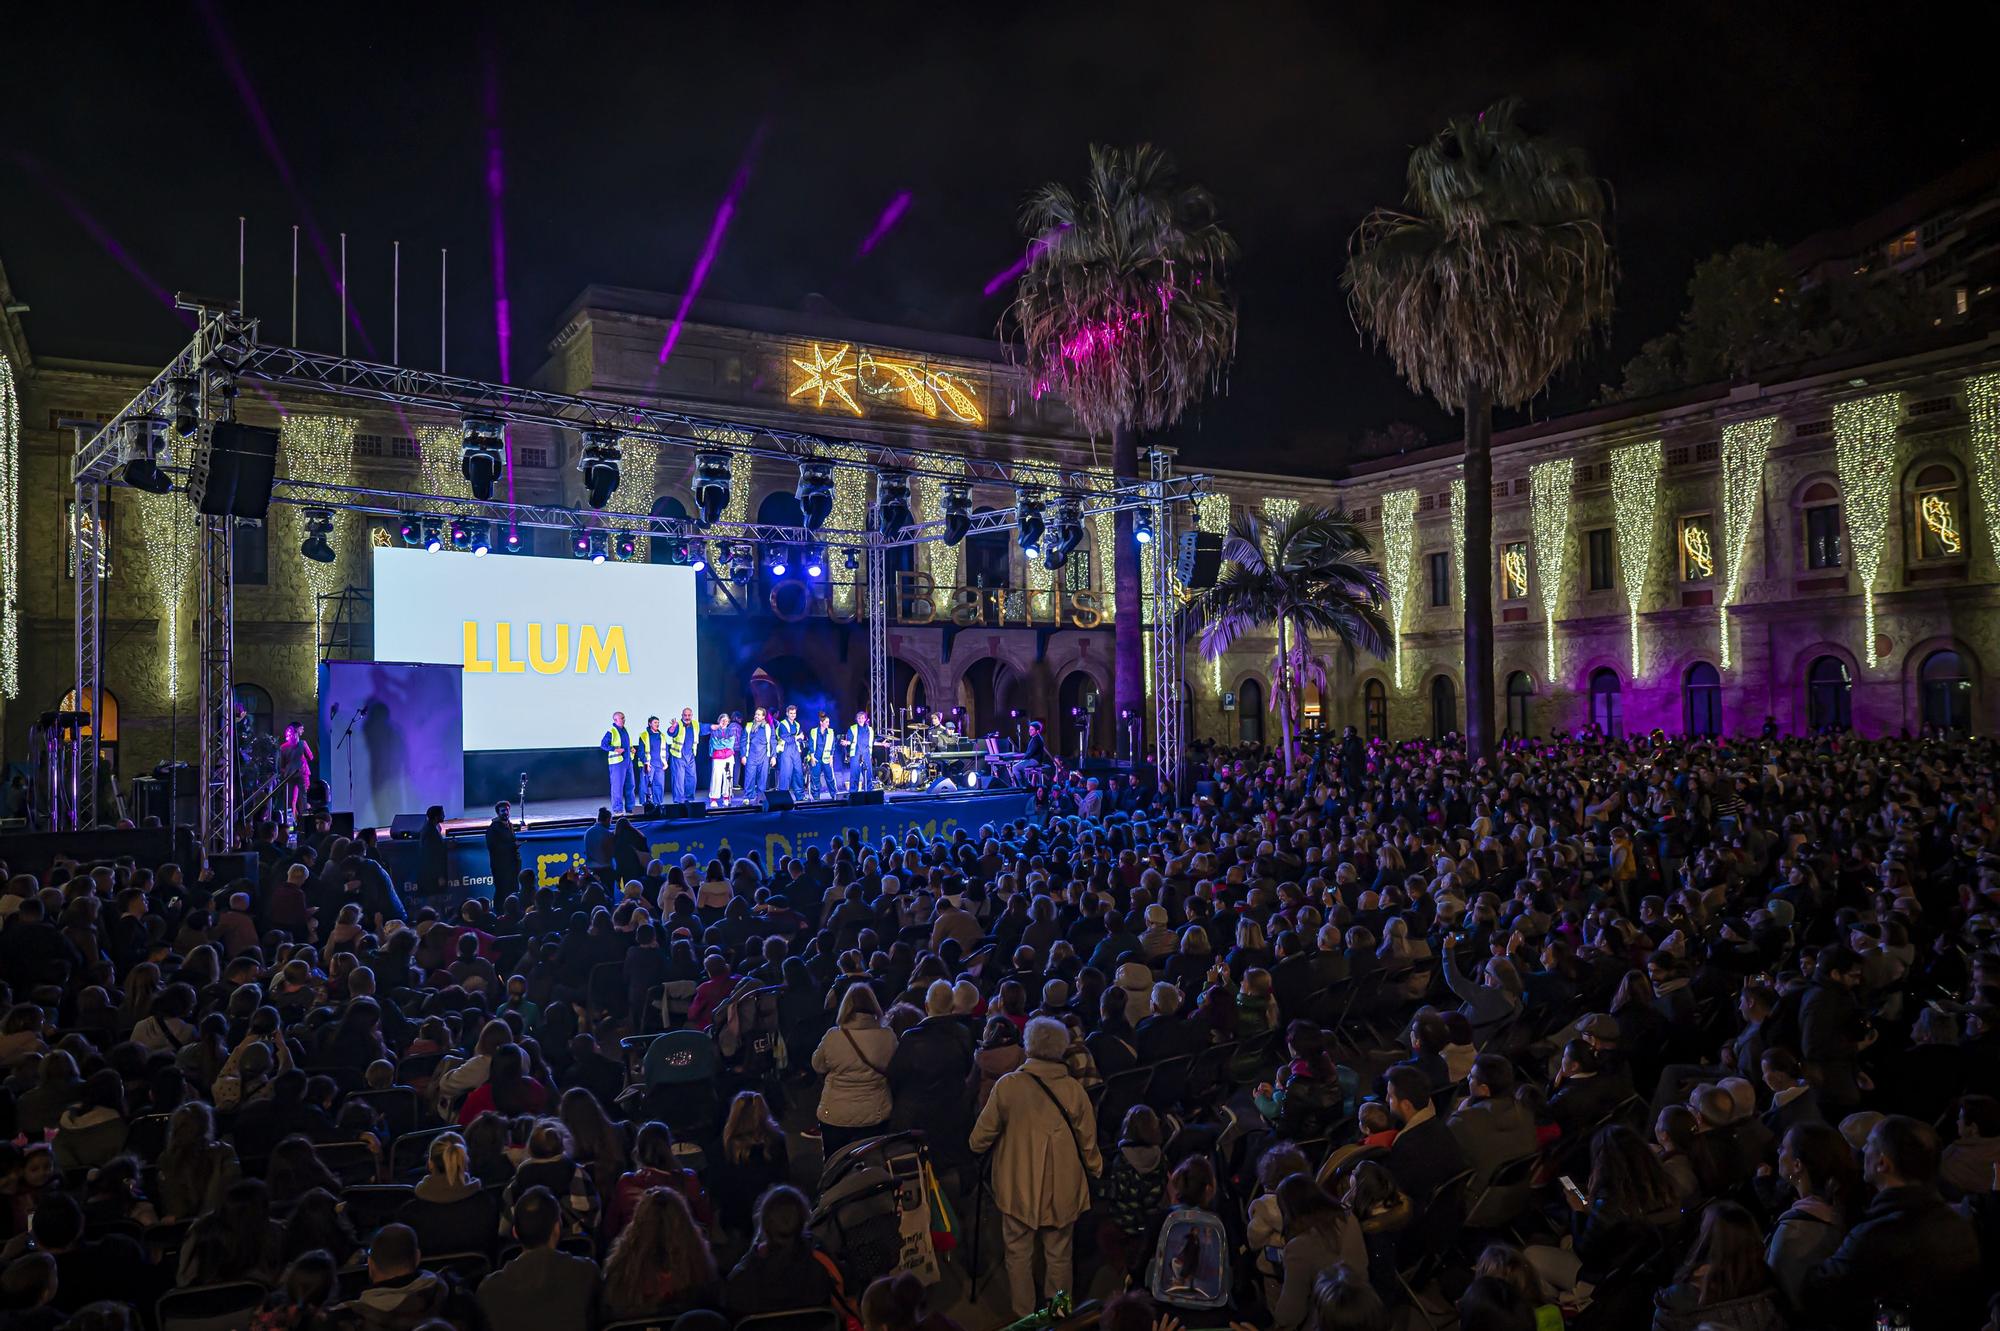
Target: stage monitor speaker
[(864, 797), (778, 801), (241, 459), (406, 827), (229, 868), (1200, 559), (691, 809)]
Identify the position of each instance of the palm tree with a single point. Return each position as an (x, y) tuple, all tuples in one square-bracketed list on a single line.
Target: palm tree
[(1499, 273), (1311, 578), (1125, 314)]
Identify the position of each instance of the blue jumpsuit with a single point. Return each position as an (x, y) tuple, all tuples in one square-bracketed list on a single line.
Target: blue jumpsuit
[(860, 757), (756, 758), (819, 750), (617, 746), (791, 772), (652, 773), (681, 742)]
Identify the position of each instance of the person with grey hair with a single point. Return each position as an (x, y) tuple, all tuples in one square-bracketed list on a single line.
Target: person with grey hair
[(929, 1076), (1489, 1005), (1042, 1131)]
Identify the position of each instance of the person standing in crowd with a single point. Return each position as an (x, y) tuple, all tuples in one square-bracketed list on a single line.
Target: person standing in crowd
[(503, 851), (433, 855), (617, 746), (854, 1057), (295, 760)]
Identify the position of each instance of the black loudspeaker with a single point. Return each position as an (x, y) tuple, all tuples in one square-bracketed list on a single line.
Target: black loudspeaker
[(864, 797), (676, 812), (343, 823), (241, 459), (406, 827), (229, 868), (1200, 558), (777, 801)]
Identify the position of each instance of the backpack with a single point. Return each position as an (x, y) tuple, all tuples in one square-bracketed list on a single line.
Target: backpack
[(1190, 1267)]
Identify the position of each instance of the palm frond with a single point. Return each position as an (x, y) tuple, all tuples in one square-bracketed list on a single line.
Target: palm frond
[(1315, 575)]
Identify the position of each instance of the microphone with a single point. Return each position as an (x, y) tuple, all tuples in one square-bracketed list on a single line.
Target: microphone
[(335, 711)]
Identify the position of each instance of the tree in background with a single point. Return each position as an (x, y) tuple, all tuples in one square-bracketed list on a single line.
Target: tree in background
[(1126, 314), (1495, 275), (1314, 582), (1749, 312)]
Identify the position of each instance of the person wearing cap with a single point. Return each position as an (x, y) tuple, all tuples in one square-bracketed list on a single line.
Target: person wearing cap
[(1158, 940)]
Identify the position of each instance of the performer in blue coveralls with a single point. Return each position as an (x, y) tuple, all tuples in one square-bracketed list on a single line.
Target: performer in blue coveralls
[(819, 756), (791, 771), (757, 756), (682, 740), (860, 742), (652, 771), (617, 746)]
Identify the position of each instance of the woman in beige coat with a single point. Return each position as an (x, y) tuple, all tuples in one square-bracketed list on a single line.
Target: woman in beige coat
[(1043, 1132), (854, 1057)]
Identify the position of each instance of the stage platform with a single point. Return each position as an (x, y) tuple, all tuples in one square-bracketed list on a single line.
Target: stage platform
[(553, 839)]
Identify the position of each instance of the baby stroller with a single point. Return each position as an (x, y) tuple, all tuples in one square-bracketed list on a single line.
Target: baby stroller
[(876, 1214), (678, 1085)]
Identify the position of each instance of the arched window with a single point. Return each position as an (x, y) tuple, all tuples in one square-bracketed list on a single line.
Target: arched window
[(1829, 695), (986, 556), (1820, 507), (257, 708), (1375, 709), (665, 552), (1701, 694), (1947, 691), (1606, 711), (1444, 707), (1936, 514), (1250, 712), (1520, 688)]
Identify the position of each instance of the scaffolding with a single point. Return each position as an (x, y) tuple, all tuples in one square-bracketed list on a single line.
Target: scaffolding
[(225, 354)]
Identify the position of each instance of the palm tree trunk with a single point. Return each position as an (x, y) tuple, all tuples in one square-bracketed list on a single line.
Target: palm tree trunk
[(1283, 693), (1128, 691), (1479, 573)]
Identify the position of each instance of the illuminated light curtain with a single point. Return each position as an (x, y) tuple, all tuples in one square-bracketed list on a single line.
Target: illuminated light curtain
[(167, 525), (1864, 451), (1458, 533), (638, 484), (1277, 512), (1038, 577), (1548, 509), (10, 533), (1635, 505), (319, 450), (1745, 444), (1399, 530), (850, 514), (439, 448), (1211, 514), (1982, 409), (927, 502)]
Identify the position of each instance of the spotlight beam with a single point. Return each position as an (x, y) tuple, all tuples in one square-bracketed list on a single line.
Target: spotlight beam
[(710, 248)]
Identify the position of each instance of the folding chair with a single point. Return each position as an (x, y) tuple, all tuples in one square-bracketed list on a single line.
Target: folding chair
[(409, 1154), (792, 1319), (395, 1105), (1508, 1193), (352, 1162), (1431, 1233), (369, 1206), (229, 1306)]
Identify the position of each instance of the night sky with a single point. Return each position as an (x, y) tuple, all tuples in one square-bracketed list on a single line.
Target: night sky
[(621, 129)]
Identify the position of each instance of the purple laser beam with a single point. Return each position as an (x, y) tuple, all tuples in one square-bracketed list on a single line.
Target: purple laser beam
[(503, 324), (717, 229), (890, 216), (107, 242), (1019, 266)]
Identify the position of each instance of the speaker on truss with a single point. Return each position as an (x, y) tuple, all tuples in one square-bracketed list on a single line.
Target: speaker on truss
[(241, 460), (1200, 559)]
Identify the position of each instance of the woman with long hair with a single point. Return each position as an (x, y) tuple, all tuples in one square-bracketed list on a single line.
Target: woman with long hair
[(1319, 1233), (781, 1270), (654, 1166), (293, 1169), (142, 986), (486, 1146), (551, 1163), (508, 1089), (251, 1246), (599, 1142), (752, 1159), (853, 1057), (1722, 1280), (317, 1221), (449, 1209), (304, 1296), (1625, 1207), (660, 1265), (195, 1168), (1819, 1167)]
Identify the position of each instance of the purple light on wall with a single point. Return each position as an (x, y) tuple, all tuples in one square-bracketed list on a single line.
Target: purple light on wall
[(261, 123), (890, 216), (716, 230), (1019, 266)]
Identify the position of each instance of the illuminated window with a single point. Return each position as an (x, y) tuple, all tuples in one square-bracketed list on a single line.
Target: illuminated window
[(1936, 514), (1822, 514), (1440, 579), (1599, 542), (1375, 709), (1697, 544), (1076, 570), (1903, 246), (1514, 571)]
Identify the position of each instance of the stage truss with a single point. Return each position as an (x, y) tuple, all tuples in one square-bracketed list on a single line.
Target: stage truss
[(225, 354)]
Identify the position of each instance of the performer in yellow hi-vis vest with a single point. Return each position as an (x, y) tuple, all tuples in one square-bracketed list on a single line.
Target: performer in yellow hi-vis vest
[(682, 738), (617, 746), (652, 773)]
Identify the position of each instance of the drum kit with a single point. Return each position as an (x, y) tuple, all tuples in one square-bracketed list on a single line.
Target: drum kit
[(924, 750)]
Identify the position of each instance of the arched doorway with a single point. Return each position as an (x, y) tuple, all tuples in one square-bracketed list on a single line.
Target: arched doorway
[(258, 709), (780, 508), (1946, 688), (1829, 695), (665, 552), (1701, 699), (981, 692), (1312, 708), (108, 742), (1444, 707), (1079, 700), (1606, 707), (1520, 690), (906, 690), (986, 556), (1375, 709)]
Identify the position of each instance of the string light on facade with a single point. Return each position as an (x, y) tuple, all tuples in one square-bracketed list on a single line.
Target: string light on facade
[(640, 467), (1635, 503), (1745, 444), (1548, 509), (1399, 530), (319, 451), (1864, 451), (1211, 514), (10, 533), (1458, 533), (827, 375), (1038, 578), (850, 512), (1277, 512), (927, 498), (168, 526), (1982, 409), (1700, 553)]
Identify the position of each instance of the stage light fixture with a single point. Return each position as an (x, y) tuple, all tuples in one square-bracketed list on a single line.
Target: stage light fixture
[(461, 534), (815, 563), (892, 503), (185, 393), (412, 531), (141, 452), (628, 546), (711, 485), (318, 544), (853, 562), (775, 561), (598, 460), (1142, 527), (433, 535), (600, 547), (482, 453), (1065, 534), (513, 540), (699, 564), (1028, 518), (579, 545), (956, 500), (482, 540), (815, 493)]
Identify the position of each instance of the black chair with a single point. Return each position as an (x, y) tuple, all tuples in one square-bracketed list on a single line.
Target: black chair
[(1208, 1075), (468, 1268), (230, 1306), (396, 1106), (352, 1162), (1116, 1096), (1170, 1082), (347, 1079), (164, 1238), (792, 1319), (1508, 1194), (414, 1066), (1429, 1238), (369, 1206), (409, 1156), (147, 1136)]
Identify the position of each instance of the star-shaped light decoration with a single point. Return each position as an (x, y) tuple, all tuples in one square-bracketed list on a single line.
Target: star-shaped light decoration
[(828, 375)]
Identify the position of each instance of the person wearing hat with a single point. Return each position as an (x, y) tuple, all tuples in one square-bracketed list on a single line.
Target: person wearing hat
[(1158, 940)]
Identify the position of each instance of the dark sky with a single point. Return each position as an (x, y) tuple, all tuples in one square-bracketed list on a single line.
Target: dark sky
[(622, 127)]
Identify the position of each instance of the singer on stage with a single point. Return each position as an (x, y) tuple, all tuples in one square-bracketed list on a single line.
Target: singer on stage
[(757, 756), (617, 746), (791, 770), (295, 758)]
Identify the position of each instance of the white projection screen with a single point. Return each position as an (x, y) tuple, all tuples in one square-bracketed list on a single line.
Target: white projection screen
[(551, 647)]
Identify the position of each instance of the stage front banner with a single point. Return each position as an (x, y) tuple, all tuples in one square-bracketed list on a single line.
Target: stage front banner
[(550, 851)]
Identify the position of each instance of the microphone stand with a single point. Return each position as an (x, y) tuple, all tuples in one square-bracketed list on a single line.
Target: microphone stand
[(341, 744), (524, 802)]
